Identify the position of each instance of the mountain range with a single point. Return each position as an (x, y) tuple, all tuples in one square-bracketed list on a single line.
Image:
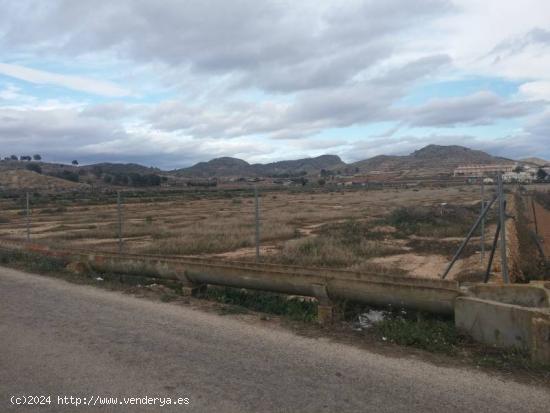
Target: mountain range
[(226, 166), (432, 159)]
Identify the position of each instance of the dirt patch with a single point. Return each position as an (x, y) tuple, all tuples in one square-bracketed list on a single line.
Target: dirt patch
[(425, 266)]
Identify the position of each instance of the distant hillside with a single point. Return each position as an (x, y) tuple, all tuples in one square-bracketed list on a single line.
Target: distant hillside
[(22, 179), (233, 167), (430, 160), (114, 168), (52, 176), (536, 161)]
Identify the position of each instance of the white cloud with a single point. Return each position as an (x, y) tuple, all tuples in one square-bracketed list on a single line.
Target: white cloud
[(82, 84), (536, 90)]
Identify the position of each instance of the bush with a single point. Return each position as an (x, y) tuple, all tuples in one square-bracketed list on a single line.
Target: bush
[(67, 175), (32, 262), (278, 304), (425, 221), (34, 167)]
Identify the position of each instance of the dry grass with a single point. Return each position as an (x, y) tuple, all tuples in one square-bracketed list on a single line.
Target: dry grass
[(326, 229)]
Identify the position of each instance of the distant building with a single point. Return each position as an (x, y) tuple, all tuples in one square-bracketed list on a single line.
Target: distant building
[(479, 171), (523, 177)]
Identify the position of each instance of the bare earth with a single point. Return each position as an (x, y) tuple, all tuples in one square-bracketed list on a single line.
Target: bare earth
[(64, 339)]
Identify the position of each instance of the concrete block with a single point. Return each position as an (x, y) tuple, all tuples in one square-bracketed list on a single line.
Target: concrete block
[(494, 323), (326, 314), (540, 351)]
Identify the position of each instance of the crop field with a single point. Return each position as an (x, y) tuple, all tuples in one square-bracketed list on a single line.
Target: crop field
[(403, 231)]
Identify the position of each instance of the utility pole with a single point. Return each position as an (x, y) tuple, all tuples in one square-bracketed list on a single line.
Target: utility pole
[(502, 221), (482, 221), (28, 219), (119, 214), (257, 213)]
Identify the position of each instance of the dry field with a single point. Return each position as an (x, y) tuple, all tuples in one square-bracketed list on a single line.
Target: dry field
[(393, 230)]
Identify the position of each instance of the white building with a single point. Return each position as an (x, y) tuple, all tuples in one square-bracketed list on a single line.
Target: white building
[(477, 171), (523, 177)]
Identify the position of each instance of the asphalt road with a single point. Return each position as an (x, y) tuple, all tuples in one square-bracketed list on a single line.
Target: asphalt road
[(62, 339)]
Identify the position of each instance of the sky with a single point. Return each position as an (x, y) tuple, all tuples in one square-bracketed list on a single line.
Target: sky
[(174, 82)]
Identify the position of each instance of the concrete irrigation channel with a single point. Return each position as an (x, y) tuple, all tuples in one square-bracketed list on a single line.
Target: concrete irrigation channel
[(502, 315), (327, 285)]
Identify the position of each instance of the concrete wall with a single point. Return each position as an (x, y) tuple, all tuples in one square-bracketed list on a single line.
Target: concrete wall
[(433, 295), (516, 316)]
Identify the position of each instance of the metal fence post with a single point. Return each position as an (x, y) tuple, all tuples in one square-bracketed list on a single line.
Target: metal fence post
[(502, 220), (257, 214), (482, 221), (28, 223), (119, 214)]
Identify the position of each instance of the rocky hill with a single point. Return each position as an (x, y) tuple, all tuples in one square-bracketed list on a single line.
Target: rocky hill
[(536, 161), (233, 167), (430, 160), (117, 168)]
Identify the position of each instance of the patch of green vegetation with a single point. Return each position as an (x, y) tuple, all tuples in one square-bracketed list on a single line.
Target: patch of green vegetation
[(419, 330), (506, 359), (31, 262), (294, 308), (451, 221)]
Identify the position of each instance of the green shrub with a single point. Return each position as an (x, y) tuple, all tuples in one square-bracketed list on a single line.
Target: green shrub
[(419, 330), (278, 304), (31, 262)]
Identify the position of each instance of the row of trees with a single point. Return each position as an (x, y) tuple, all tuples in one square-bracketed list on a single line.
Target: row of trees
[(134, 179), (36, 157), (28, 158)]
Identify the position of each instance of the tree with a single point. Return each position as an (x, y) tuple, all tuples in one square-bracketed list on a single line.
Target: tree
[(321, 182), (75, 162), (541, 174), (519, 169), (25, 158), (37, 157), (14, 157)]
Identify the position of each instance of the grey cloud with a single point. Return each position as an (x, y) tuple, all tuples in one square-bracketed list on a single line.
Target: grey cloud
[(477, 109), (415, 70), (23, 128), (518, 44), (275, 45)]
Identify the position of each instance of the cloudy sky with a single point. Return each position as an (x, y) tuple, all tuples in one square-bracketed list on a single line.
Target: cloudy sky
[(169, 83)]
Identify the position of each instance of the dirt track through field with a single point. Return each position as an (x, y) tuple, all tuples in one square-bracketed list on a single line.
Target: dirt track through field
[(542, 226)]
